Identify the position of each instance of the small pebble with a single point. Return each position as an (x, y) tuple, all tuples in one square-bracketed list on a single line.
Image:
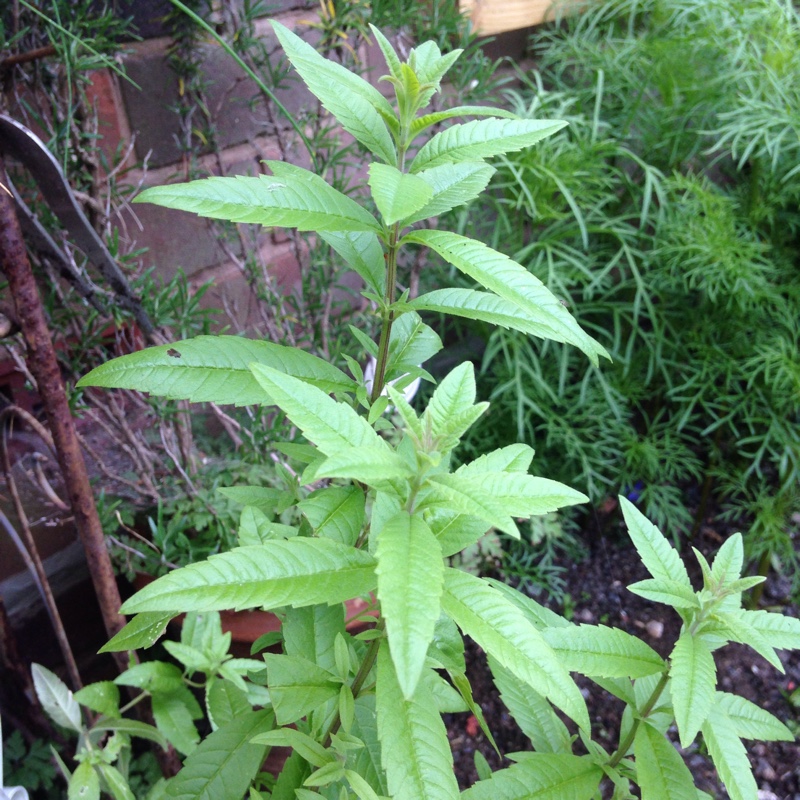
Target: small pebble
[(584, 615), (763, 794), (655, 628)]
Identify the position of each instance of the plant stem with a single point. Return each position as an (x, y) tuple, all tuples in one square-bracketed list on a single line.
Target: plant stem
[(648, 707), (358, 681)]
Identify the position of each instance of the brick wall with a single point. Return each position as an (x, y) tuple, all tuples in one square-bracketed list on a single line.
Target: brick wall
[(143, 119)]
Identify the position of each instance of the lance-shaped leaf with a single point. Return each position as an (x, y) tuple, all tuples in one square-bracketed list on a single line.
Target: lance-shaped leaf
[(533, 714), (729, 755), (141, 632), (511, 458), (84, 784), (512, 281), (363, 252), (451, 186), (739, 630), (332, 426), (671, 593), (397, 194), (366, 761), (605, 652), (297, 686), (336, 512), (454, 395), (294, 572), (358, 106), (426, 120), (694, 678), (543, 776), (368, 465), (213, 369), (483, 306), (412, 343), (483, 138), (657, 554), (508, 493), (174, 720), (454, 531), (749, 721), (414, 747), (781, 632), (448, 493), (502, 630), (660, 771), (292, 197), (56, 698), (225, 762), (410, 575)]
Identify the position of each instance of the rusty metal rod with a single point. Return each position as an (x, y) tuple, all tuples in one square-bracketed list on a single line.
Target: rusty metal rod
[(44, 368)]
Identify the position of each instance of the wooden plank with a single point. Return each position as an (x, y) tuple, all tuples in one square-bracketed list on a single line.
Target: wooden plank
[(497, 16)]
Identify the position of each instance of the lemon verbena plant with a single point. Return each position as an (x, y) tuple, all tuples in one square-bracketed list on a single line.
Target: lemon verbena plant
[(362, 713)]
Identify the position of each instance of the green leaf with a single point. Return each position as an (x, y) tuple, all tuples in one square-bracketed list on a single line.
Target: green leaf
[(454, 531), (511, 458), (367, 760), (482, 306), (749, 721), (411, 344), (447, 648), (311, 750), (83, 785), (225, 762), (481, 139), (213, 369), (606, 652), (389, 53), (533, 714), (693, 677), (56, 698), (538, 615), (369, 465), (335, 512), (493, 496), (264, 498), (153, 676), (740, 631), (397, 194), (728, 561), (448, 492), (671, 593), (330, 425), (297, 686), (451, 185), (296, 572), (415, 750), (102, 697), (426, 120), (410, 574), (729, 756), (780, 631), (661, 773), (131, 727), (512, 281), (454, 395), (116, 784), (657, 554), (358, 106), (502, 630), (311, 633), (225, 702), (291, 197), (541, 776), (141, 632), (174, 720), (363, 253)]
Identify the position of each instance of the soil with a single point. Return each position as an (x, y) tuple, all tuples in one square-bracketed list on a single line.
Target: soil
[(596, 588)]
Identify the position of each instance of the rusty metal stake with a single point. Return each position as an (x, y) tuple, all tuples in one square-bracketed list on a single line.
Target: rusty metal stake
[(44, 368)]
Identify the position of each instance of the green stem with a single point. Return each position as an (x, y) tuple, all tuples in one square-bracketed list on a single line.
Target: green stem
[(358, 682), (648, 707)]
